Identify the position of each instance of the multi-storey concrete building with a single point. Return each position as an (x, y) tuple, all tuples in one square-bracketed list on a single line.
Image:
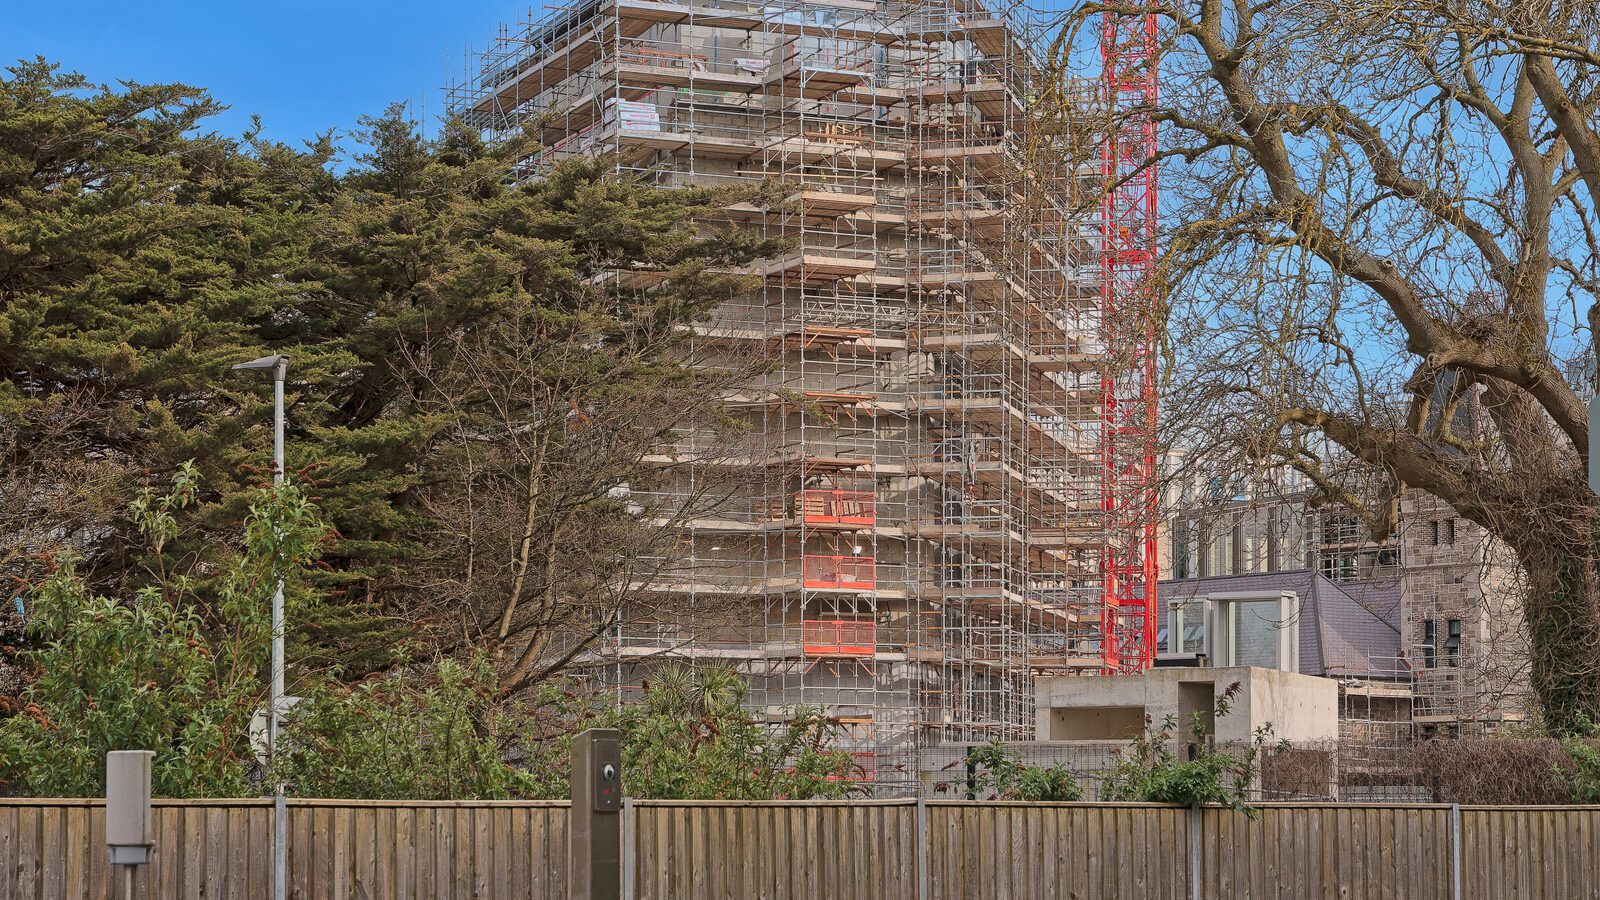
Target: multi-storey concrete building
[(916, 532), (1443, 592)]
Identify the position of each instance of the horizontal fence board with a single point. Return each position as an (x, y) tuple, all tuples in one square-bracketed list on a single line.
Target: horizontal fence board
[(54, 850)]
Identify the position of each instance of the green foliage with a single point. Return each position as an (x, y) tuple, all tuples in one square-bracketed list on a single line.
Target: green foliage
[(176, 668), (691, 739), (1001, 775), (470, 386), (1152, 772), (1581, 774), (140, 256), (445, 733), (441, 735)]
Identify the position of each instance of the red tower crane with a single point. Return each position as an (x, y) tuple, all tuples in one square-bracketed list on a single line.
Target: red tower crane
[(1129, 322)]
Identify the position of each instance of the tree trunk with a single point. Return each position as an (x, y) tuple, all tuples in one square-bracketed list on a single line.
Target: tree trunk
[(1563, 617)]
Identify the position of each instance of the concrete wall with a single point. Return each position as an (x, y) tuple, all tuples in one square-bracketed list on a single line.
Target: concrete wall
[(1100, 707)]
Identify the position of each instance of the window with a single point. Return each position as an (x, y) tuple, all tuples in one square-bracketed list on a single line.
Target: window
[(1180, 549), (1388, 557), (1452, 643), (1272, 539), (1339, 566), (1255, 557), (1433, 532), (1450, 531), (1222, 555), (1429, 632), (1184, 629), (1340, 530)]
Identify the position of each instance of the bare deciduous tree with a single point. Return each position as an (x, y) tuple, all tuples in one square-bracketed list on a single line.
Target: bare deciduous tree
[(544, 487), (1382, 266)]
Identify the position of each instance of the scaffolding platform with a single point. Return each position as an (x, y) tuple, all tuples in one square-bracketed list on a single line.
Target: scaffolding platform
[(908, 520)]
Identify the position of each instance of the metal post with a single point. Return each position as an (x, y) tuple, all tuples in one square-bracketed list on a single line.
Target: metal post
[(594, 850), (280, 818), (922, 848), (1455, 851)]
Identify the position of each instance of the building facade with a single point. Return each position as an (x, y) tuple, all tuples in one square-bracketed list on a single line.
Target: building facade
[(1444, 592), (914, 529)]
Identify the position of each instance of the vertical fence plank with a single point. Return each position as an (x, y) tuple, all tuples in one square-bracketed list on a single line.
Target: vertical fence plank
[(430, 876), (22, 878)]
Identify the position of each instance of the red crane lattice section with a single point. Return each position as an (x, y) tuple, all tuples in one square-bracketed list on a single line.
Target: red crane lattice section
[(1129, 52)]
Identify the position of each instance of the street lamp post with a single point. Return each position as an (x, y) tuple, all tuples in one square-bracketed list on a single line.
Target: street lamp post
[(279, 365)]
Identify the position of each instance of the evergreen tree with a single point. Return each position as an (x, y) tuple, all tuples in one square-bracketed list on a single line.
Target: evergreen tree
[(140, 256)]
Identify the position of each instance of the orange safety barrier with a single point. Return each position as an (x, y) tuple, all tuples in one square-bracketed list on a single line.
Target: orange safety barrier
[(838, 572), (837, 507), (838, 637)]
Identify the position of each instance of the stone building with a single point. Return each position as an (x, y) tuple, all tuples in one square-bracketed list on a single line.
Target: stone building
[(1425, 625)]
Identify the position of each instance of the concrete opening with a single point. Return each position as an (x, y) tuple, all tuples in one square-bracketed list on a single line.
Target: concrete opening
[(1096, 723), (1197, 698)]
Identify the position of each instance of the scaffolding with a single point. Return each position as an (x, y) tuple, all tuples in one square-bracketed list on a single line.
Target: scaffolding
[(922, 520)]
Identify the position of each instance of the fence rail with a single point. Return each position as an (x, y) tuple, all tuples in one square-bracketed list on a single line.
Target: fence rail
[(895, 850)]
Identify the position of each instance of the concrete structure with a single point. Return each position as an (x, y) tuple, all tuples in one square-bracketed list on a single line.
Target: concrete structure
[(915, 521), (1298, 708), (1422, 628)]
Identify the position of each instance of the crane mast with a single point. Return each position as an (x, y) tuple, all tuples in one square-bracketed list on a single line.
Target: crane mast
[(1130, 323)]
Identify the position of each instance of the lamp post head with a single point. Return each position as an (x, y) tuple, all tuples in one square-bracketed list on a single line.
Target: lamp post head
[(278, 364)]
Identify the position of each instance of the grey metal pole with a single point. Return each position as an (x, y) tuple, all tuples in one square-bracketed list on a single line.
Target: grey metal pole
[(279, 364), (280, 818)]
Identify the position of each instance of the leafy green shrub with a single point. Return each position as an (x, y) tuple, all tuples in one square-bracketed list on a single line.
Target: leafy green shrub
[(1000, 774), (438, 734), (1151, 772), (178, 668), (1582, 773), (692, 739)]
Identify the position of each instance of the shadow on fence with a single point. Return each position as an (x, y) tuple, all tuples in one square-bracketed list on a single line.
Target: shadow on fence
[(896, 850)]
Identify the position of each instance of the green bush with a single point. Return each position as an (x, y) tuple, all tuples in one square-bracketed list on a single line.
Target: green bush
[(437, 734), (692, 739), (178, 668), (1000, 774), (1151, 772), (1581, 775)]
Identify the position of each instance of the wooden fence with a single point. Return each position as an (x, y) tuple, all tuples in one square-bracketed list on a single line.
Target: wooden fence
[(863, 850)]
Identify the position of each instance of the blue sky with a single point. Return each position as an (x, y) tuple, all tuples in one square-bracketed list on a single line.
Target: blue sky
[(302, 66)]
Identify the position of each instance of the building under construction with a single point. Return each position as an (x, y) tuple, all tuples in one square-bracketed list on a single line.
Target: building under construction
[(945, 475)]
